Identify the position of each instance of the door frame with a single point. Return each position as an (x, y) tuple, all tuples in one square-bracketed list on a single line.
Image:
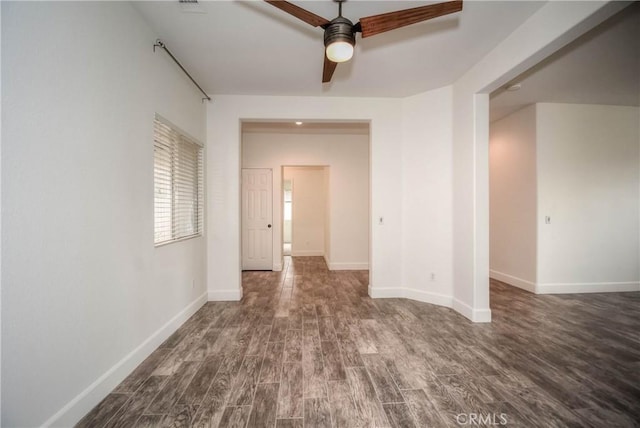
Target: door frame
[(278, 264)]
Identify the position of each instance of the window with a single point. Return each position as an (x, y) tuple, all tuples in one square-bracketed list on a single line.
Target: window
[(178, 184)]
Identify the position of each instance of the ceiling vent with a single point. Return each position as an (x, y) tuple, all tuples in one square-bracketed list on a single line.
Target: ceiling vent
[(191, 6)]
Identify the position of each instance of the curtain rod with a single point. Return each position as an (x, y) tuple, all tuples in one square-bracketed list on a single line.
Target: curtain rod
[(160, 43)]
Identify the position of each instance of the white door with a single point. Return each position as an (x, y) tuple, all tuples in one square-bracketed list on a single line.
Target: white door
[(257, 219)]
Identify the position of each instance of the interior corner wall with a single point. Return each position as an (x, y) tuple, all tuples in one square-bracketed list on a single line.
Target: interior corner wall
[(347, 159), (427, 264), (309, 198), (589, 186), (554, 25), (513, 199), (85, 295), (224, 118)]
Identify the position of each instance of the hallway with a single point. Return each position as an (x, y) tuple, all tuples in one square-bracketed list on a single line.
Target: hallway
[(306, 347)]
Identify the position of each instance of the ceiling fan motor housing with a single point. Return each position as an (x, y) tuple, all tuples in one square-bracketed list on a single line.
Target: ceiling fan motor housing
[(339, 29)]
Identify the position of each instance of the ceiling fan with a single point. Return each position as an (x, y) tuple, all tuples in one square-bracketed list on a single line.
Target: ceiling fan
[(340, 33)]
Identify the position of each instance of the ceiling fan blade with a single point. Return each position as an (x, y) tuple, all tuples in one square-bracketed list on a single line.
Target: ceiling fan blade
[(298, 12), (328, 69), (372, 25)]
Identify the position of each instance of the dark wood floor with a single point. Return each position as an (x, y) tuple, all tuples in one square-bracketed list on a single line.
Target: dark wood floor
[(307, 348)]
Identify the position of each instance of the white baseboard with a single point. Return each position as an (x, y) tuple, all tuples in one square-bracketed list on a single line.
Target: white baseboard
[(565, 288), (410, 293), (481, 315), (224, 295), (348, 266), (75, 409), (513, 280), (385, 293), (277, 267), (307, 253), (462, 308), (426, 297), (327, 261), (475, 315), (593, 287)]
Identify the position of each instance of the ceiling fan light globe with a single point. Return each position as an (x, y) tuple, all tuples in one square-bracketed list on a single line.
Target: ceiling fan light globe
[(340, 51)]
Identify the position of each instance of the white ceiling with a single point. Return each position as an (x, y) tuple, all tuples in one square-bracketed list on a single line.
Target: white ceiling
[(601, 67), (251, 47)]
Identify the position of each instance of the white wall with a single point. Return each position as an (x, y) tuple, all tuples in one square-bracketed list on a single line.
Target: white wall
[(327, 217), (309, 210), (223, 137), (513, 201), (347, 156), (554, 25), (589, 184), (579, 165), (427, 263), (83, 285)]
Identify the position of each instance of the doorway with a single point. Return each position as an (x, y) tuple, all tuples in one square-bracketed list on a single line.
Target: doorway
[(287, 212), (547, 157), (340, 153), (305, 215)]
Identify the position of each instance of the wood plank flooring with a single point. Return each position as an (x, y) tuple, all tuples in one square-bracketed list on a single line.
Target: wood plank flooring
[(307, 348)]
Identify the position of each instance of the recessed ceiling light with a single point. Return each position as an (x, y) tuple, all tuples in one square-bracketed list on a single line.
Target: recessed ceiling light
[(514, 87), (298, 123)]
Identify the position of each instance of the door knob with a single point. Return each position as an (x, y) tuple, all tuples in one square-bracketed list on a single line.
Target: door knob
[(269, 226)]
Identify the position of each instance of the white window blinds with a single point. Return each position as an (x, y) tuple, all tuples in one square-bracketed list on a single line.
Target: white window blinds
[(178, 184)]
